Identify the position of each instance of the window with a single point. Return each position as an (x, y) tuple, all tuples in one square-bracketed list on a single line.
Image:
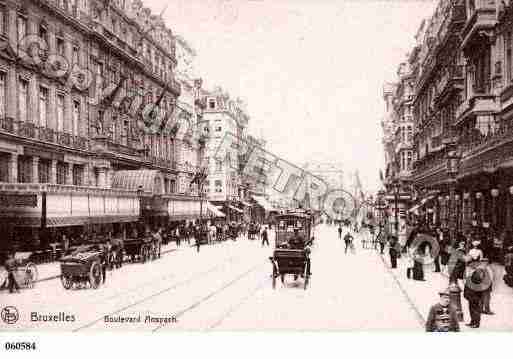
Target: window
[(410, 133), (172, 186), (44, 171), (60, 113), (3, 20), (212, 104), (23, 100), (219, 128), (60, 46), (113, 128), (76, 55), (43, 106), (2, 94), (78, 175), (76, 117), (24, 169), (21, 27), (507, 46), (219, 166), (61, 172), (409, 161)]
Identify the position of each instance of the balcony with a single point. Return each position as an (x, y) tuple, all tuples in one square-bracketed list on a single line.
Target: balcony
[(452, 15), (486, 152), (452, 79), (481, 18), (478, 104), (29, 130)]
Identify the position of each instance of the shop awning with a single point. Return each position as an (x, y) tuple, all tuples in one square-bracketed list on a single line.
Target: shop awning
[(263, 202), (132, 180), (236, 209), (214, 210)]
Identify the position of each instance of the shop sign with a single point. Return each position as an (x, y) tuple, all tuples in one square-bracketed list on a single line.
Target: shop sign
[(18, 200)]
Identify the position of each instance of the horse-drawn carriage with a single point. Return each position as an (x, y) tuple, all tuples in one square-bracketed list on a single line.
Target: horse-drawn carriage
[(142, 249), (292, 252), (26, 273), (82, 268)]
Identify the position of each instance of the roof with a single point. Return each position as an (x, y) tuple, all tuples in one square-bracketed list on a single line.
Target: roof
[(133, 180)]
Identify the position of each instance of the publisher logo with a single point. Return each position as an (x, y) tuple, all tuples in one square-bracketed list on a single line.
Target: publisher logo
[(10, 315)]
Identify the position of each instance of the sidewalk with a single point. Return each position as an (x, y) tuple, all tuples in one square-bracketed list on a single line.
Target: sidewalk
[(423, 294), (49, 271)]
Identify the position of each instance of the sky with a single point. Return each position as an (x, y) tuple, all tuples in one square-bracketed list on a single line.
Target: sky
[(310, 71)]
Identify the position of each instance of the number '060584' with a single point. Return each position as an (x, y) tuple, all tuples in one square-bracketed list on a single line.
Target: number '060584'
[(20, 346)]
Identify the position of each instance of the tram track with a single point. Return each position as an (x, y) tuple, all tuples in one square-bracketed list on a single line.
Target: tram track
[(147, 298), (214, 293)]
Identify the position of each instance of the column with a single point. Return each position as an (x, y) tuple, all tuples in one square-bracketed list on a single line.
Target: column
[(33, 96), (69, 174), (35, 169), (11, 108), (68, 118), (508, 222), (53, 172), (13, 168)]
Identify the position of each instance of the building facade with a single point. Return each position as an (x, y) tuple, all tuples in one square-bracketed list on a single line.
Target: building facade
[(78, 84), (224, 116), (462, 69)]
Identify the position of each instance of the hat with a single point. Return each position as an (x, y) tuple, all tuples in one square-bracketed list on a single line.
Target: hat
[(476, 243), (445, 292)]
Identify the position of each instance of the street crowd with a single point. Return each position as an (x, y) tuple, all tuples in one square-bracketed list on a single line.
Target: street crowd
[(466, 262)]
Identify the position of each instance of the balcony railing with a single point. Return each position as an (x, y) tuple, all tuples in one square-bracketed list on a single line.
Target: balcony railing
[(43, 134), (478, 141)]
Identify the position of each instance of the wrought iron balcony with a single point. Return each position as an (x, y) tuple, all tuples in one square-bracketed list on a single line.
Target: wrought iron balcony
[(477, 141), (44, 134)]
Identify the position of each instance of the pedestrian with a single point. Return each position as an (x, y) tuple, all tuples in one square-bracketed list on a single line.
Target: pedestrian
[(487, 287), (393, 243), (177, 236), (508, 266), (442, 316), (473, 294), (10, 267), (339, 232), (436, 254), (348, 240), (265, 238), (104, 261), (381, 237), (418, 264)]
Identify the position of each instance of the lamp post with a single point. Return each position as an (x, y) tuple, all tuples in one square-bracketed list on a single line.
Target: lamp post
[(396, 209), (452, 170)]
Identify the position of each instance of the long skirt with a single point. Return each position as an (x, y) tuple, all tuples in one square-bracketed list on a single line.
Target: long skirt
[(418, 271)]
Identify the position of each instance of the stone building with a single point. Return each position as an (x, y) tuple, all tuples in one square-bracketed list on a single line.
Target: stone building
[(79, 81), (223, 116)]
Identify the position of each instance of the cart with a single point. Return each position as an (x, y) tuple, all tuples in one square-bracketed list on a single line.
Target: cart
[(142, 249), (288, 260), (26, 273), (82, 269)]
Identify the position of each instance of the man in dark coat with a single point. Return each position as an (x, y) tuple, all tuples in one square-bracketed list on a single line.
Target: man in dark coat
[(442, 316), (473, 294), (10, 267), (265, 238), (392, 251)]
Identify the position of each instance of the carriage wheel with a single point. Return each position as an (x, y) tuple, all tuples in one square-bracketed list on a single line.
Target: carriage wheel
[(66, 281), (95, 275), (31, 275)]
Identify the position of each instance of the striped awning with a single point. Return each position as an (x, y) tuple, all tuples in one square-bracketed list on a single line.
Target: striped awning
[(215, 212), (133, 180), (263, 202)]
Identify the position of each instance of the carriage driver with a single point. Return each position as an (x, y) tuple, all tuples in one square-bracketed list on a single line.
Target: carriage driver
[(298, 242)]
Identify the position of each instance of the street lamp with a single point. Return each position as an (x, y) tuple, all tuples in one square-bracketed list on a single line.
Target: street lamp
[(453, 160), (396, 210)]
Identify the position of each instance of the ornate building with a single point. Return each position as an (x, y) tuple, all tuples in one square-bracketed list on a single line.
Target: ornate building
[(79, 81), (224, 116), (462, 69)]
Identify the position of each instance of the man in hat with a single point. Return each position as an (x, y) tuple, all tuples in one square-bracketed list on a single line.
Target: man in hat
[(473, 291), (442, 316), (487, 287)]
